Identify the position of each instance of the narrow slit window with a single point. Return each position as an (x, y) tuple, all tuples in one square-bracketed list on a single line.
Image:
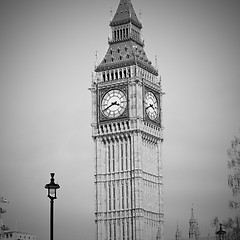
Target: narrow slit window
[(121, 149), (109, 196), (126, 155), (109, 159), (122, 196), (114, 197), (113, 158)]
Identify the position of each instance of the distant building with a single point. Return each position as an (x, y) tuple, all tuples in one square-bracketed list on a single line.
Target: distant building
[(193, 228), (193, 232), (15, 235), (178, 235), (6, 234), (2, 211)]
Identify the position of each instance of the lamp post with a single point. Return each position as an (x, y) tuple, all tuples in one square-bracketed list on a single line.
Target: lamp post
[(52, 194), (220, 234)]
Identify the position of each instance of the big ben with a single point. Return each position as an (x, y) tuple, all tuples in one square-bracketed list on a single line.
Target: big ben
[(127, 134)]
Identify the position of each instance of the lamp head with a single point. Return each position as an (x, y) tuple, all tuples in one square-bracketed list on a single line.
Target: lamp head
[(52, 188)]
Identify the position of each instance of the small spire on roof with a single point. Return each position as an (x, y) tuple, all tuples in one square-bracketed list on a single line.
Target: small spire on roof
[(140, 16), (111, 17), (158, 237), (111, 14), (96, 59), (192, 216), (156, 62)]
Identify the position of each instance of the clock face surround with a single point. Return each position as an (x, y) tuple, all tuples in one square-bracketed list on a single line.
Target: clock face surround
[(151, 105), (113, 103)]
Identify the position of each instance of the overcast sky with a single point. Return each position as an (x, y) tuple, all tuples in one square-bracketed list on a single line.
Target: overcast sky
[(47, 55)]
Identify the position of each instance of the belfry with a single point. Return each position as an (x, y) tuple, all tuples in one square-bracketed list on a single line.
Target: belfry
[(127, 134)]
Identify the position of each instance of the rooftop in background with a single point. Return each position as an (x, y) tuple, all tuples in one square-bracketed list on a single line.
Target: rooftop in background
[(12, 235)]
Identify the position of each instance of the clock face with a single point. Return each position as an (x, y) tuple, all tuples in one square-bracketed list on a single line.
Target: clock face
[(151, 105), (113, 103)]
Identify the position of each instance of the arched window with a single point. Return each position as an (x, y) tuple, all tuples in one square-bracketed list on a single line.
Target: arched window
[(109, 159), (126, 155), (109, 196), (117, 34), (129, 72), (114, 197), (110, 231), (113, 158), (120, 73), (127, 195), (122, 196), (128, 236), (121, 154)]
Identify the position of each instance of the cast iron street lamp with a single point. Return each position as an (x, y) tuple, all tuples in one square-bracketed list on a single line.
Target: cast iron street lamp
[(52, 194), (220, 233)]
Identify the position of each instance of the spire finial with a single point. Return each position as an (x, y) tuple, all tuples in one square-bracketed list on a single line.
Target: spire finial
[(96, 59), (158, 237), (156, 62), (111, 14), (111, 17), (140, 16), (192, 216), (178, 234)]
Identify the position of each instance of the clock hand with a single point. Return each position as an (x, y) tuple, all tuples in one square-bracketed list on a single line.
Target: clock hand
[(116, 103), (113, 103), (150, 105), (107, 107)]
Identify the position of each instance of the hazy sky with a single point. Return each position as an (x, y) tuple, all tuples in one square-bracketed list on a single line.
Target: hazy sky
[(47, 50)]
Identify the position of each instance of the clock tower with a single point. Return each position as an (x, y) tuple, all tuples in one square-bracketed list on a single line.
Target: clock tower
[(127, 133)]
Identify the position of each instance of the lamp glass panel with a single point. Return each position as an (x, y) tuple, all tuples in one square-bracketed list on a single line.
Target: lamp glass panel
[(52, 192)]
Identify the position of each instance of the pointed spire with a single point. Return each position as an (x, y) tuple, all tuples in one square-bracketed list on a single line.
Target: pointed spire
[(111, 14), (125, 13), (156, 62), (140, 16), (158, 237), (178, 234), (193, 227), (110, 32), (192, 215), (96, 60), (116, 55)]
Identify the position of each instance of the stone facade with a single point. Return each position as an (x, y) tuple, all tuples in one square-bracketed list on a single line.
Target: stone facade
[(127, 134)]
